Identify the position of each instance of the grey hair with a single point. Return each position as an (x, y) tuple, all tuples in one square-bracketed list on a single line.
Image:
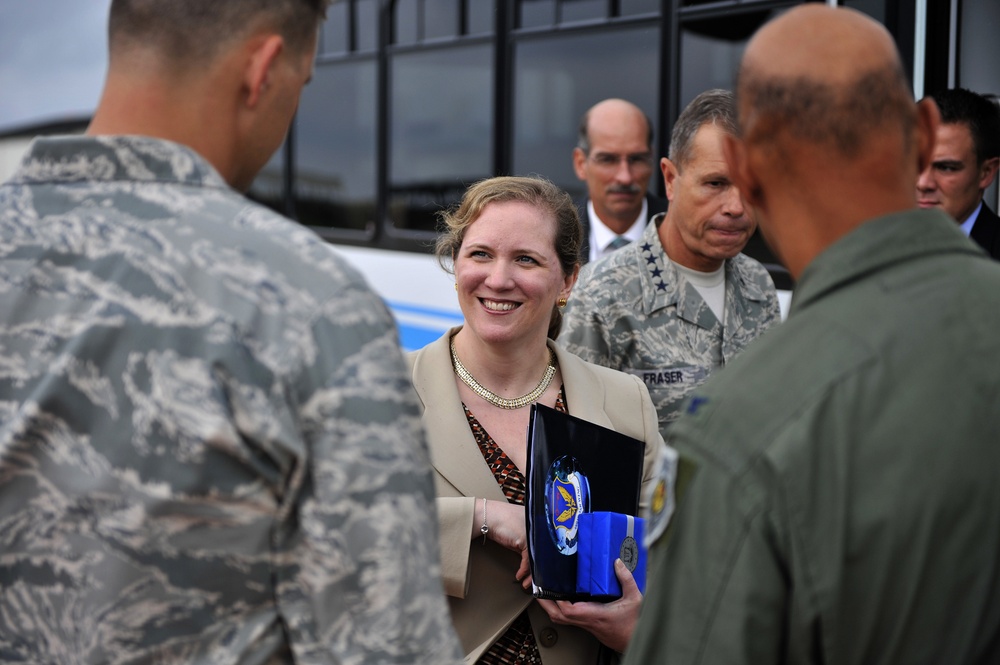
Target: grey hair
[(715, 106)]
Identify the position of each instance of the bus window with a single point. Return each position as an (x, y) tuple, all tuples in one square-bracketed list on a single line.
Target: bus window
[(440, 129), (268, 187), (557, 78), (335, 148)]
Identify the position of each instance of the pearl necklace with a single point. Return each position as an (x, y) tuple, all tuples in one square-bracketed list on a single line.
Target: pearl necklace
[(493, 398)]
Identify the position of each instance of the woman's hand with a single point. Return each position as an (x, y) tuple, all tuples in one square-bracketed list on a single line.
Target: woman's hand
[(506, 525), (611, 623)]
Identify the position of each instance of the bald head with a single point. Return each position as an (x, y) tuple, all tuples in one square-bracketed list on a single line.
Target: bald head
[(613, 155), (825, 76), (830, 135), (613, 115)]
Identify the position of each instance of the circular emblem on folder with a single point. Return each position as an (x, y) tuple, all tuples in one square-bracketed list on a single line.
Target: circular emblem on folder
[(567, 495), (629, 553)]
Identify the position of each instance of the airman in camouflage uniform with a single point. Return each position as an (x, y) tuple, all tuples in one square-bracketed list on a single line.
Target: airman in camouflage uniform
[(209, 448), (636, 311)]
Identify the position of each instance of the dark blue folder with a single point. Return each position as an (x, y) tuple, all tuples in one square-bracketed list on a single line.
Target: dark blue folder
[(574, 467)]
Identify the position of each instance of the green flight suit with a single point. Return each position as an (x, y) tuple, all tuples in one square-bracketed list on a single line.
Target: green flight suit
[(845, 506)]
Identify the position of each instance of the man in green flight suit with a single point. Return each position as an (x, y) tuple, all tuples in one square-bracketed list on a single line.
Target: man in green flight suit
[(844, 504)]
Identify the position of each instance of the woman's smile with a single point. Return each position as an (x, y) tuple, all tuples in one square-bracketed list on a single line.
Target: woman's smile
[(499, 305)]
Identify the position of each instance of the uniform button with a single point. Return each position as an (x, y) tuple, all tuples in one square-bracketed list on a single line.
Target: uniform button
[(549, 637)]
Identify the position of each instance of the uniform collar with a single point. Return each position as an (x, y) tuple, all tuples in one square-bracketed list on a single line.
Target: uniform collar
[(663, 286), (878, 244), (115, 158)]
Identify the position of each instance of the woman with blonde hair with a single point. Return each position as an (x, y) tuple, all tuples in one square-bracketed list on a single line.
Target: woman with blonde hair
[(513, 246)]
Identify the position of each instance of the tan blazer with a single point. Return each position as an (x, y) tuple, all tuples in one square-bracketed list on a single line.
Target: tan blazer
[(479, 579)]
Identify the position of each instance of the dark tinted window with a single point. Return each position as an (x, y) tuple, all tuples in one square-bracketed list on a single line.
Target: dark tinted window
[(711, 50), (536, 13), (481, 16), (416, 21), (336, 29), (440, 130), (632, 7), (406, 22), (559, 78), (366, 24), (335, 147), (874, 8), (441, 18), (577, 10)]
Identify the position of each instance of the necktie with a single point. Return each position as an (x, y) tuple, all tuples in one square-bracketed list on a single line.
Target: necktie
[(618, 243)]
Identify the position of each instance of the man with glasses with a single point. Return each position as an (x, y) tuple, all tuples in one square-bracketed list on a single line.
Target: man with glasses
[(682, 301), (614, 156)]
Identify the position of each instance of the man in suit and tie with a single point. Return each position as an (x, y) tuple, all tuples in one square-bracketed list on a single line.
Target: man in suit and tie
[(966, 155), (614, 156)]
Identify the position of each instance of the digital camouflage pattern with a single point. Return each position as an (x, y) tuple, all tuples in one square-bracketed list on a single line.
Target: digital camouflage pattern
[(209, 449), (634, 312)]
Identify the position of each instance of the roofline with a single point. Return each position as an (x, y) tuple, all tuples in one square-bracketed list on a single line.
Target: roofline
[(65, 125)]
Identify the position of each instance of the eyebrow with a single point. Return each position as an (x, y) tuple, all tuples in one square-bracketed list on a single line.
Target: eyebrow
[(715, 175), (640, 153), (523, 250), (948, 162)]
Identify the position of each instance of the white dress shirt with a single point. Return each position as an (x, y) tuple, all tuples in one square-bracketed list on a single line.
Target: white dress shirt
[(601, 236)]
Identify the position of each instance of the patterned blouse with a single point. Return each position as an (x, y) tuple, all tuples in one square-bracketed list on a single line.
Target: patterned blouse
[(517, 645)]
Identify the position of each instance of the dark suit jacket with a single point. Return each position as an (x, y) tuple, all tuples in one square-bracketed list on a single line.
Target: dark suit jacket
[(986, 231), (654, 205)]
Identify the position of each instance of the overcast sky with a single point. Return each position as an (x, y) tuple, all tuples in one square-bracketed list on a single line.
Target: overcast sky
[(53, 55)]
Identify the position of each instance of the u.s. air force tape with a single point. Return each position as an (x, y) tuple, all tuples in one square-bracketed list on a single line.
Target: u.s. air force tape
[(661, 503), (629, 551)]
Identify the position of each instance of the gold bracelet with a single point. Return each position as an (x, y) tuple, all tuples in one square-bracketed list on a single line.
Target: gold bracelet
[(485, 528)]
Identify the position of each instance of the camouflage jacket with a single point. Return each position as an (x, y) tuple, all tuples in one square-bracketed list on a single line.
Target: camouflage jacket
[(634, 312), (209, 448)]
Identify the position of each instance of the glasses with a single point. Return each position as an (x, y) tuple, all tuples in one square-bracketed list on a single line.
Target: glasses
[(609, 161)]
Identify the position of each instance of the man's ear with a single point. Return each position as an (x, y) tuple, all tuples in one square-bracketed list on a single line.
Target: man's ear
[(741, 172), (263, 53), (579, 159), (670, 173), (928, 120), (988, 171)]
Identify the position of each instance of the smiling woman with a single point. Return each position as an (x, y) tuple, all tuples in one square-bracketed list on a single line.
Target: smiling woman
[(509, 276), (513, 246)]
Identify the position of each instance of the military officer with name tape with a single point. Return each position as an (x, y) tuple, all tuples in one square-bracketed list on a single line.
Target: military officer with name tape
[(683, 301)]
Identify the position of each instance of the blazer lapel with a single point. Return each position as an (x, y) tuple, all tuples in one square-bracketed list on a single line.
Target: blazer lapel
[(585, 396), (454, 451)]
